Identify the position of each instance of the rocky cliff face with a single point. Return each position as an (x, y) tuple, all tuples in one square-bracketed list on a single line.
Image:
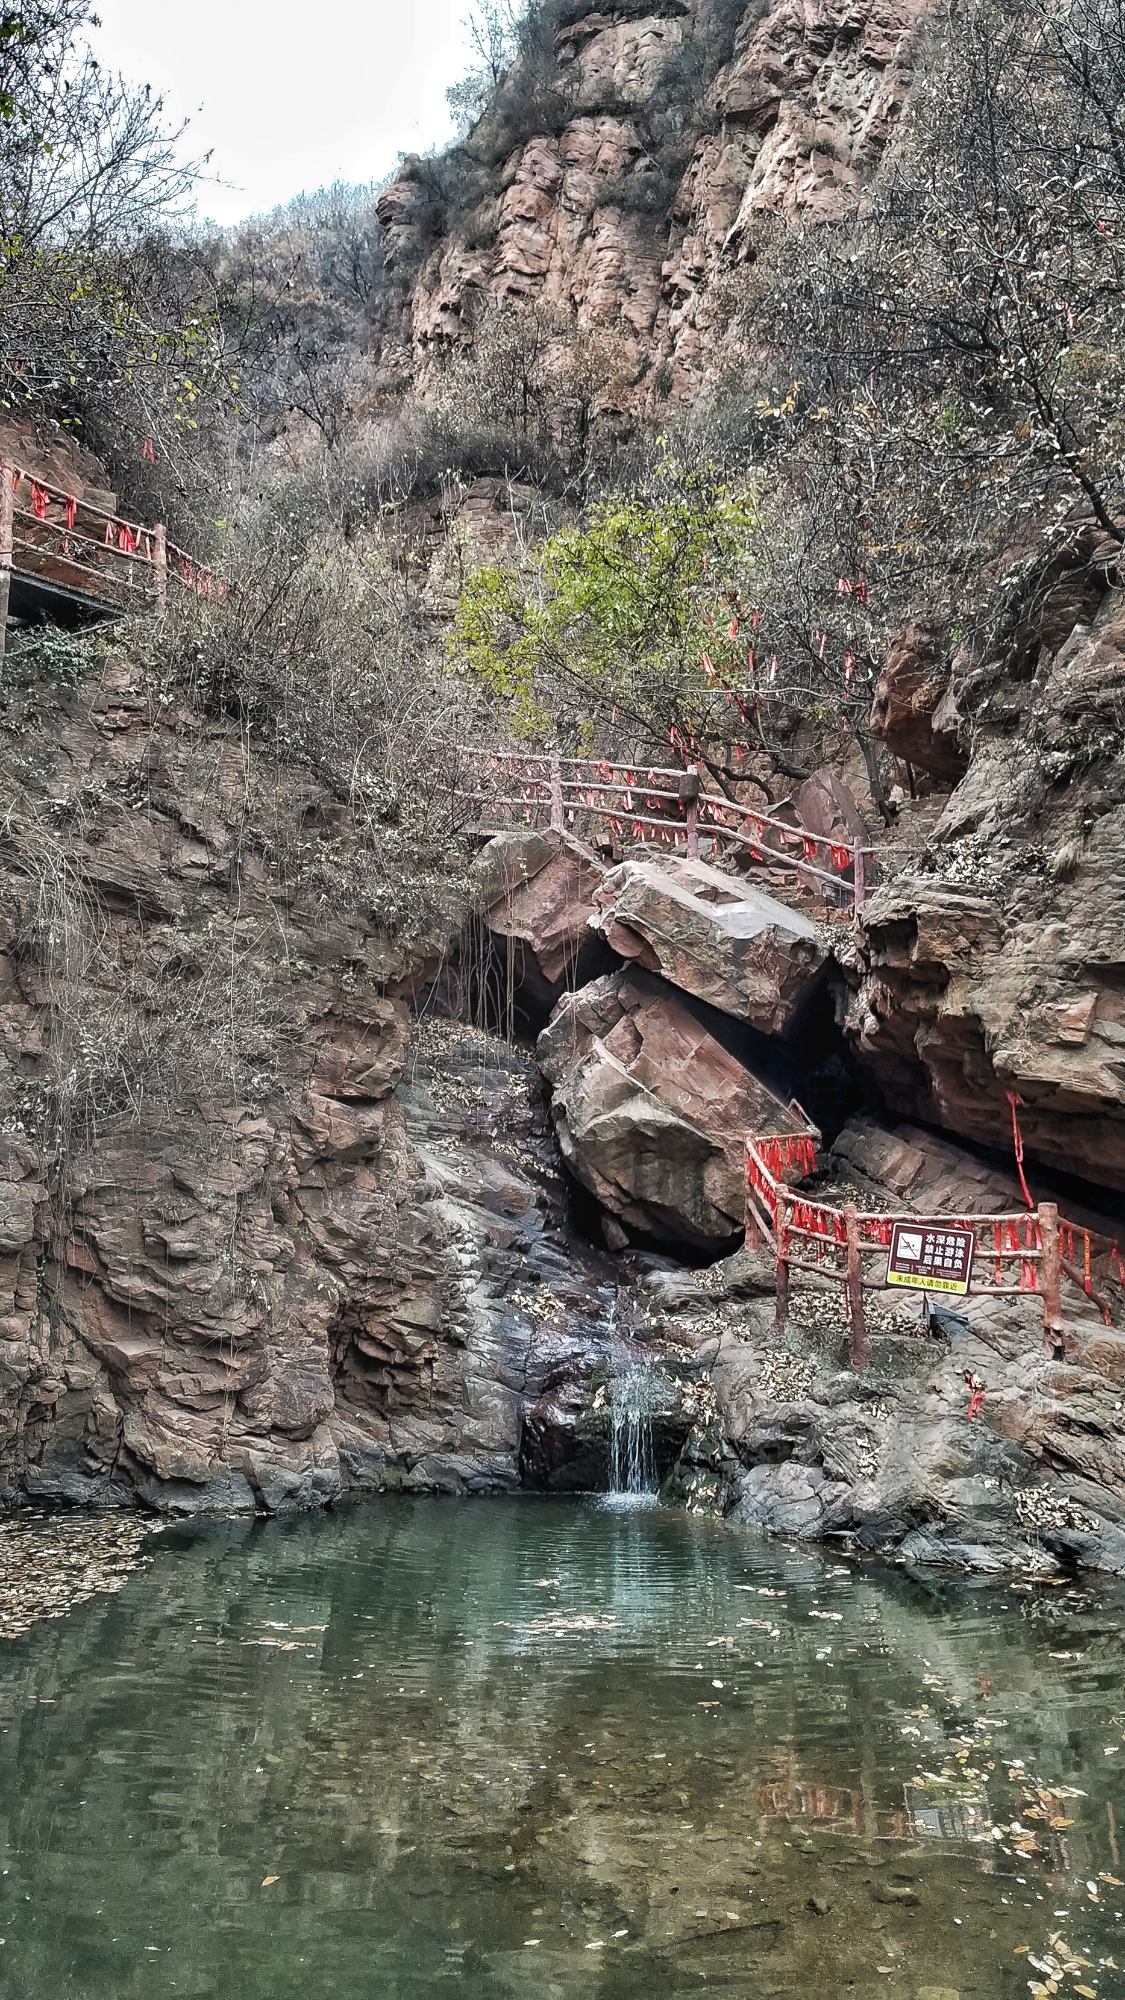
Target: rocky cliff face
[(260, 1242), (993, 960), (266, 1238), (645, 191)]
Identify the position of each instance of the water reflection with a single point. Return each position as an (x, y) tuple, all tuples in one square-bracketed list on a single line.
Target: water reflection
[(549, 1749)]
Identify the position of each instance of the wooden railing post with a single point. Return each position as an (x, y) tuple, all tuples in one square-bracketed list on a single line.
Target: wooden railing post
[(556, 793), (755, 1238), (781, 1309), (859, 882), (854, 1285), (1049, 1273), (160, 564), (691, 784), (7, 529)]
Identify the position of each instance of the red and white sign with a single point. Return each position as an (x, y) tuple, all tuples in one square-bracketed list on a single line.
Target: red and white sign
[(930, 1257)]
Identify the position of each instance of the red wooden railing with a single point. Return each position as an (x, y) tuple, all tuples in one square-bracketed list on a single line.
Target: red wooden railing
[(1025, 1251), (49, 536), (668, 807)]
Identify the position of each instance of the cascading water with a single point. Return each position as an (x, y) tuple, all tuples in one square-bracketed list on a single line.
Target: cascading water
[(634, 1395)]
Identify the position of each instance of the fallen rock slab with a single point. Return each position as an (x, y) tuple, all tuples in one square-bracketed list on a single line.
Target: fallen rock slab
[(650, 1111), (537, 890), (713, 935)]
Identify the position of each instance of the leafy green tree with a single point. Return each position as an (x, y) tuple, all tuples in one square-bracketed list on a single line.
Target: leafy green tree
[(630, 619)]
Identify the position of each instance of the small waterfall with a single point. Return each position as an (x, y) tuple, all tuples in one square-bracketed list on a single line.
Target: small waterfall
[(633, 1396)]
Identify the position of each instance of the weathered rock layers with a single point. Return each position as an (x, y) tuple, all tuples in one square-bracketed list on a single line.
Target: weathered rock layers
[(247, 1260), (578, 217), (994, 960)]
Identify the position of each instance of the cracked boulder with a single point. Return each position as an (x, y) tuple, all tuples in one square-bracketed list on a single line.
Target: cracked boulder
[(536, 890), (714, 936), (651, 1111)]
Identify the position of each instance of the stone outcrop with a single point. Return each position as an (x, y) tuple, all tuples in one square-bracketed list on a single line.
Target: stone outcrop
[(58, 459), (994, 962), (263, 1239), (537, 890), (598, 217), (712, 935), (913, 712), (959, 1003), (888, 1461), (651, 1111)]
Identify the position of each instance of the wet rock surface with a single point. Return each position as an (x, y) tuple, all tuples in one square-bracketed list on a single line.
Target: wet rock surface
[(276, 1241)]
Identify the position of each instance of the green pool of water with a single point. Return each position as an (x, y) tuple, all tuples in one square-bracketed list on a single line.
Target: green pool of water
[(533, 1748)]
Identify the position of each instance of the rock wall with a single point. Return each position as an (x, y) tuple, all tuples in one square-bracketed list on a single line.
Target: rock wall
[(610, 217), (258, 1247), (993, 958)]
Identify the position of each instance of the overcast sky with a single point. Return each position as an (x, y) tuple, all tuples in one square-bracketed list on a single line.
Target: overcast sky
[(289, 98)]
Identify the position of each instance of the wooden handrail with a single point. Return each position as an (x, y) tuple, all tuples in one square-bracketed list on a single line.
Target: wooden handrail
[(844, 1236), (92, 552), (596, 789)]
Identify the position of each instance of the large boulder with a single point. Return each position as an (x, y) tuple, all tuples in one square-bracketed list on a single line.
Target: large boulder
[(914, 712), (650, 1111), (536, 890), (712, 935)]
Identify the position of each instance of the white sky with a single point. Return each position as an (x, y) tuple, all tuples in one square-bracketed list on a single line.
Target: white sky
[(290, 98)]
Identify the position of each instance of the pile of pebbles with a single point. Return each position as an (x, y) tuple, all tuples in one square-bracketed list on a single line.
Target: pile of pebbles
[(51, 1562)]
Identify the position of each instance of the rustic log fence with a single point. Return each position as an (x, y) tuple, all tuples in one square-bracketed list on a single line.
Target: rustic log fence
[(645, 802), (1026, 1251), (59, 547)]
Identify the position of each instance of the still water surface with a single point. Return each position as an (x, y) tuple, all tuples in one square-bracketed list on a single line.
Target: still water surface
[(541, 1749)]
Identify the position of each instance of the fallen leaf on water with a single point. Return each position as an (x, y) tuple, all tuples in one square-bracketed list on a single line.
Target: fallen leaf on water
[(1087, 1992), (269, 1879)]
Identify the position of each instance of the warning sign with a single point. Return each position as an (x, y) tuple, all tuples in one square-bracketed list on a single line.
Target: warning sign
[(933, 1259)]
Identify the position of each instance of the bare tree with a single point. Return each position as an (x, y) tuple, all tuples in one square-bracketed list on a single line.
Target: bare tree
[(492, 30)]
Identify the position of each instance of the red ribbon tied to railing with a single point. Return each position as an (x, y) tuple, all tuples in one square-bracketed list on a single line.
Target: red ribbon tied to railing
[(1017, 1145), (38, 501)]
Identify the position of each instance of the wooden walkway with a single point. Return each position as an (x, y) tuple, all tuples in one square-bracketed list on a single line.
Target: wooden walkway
[(74, 564), (667, 807)]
